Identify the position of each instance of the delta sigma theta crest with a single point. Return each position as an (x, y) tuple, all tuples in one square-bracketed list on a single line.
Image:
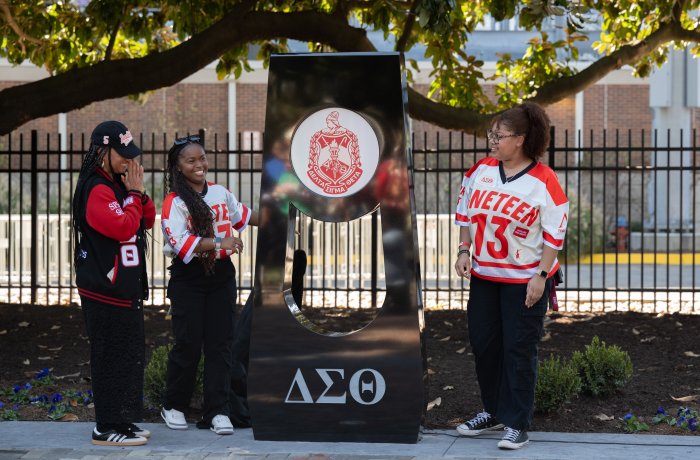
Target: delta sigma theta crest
[(335, 152)]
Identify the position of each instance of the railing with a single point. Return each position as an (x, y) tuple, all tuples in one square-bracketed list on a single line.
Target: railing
[(647, 261)]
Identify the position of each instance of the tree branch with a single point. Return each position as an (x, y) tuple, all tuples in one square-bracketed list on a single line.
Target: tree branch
[(113, 79), (118, 78), (445, 116), (7, 14), (407, 27), (561, 88), (112, 39)]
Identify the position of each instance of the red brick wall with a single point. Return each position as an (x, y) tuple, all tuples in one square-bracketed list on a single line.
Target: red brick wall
[(250, 110), (177, 110), (616, 108), (188, 107)]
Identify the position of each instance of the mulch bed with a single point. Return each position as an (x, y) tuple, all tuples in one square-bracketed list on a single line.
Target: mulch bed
[(664, 350)]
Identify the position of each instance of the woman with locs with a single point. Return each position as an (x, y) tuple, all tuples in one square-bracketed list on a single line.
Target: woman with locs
[(111, 213)]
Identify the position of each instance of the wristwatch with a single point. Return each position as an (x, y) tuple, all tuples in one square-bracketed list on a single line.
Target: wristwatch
[(543, 273), (217, 243)]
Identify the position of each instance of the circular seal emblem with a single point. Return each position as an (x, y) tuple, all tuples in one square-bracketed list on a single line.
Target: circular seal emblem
[(335, 152)]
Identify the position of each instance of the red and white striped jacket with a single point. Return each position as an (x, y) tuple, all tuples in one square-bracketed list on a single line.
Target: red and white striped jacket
[(176, 224), (510, 220)]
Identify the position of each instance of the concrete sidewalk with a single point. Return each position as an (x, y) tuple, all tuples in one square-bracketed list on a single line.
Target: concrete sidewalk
[(55, 440)]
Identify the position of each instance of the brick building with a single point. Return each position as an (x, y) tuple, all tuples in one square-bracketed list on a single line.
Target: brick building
[(617, 102)]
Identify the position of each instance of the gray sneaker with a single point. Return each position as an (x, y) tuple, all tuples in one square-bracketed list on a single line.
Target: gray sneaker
[(483, 421), (513, 439)]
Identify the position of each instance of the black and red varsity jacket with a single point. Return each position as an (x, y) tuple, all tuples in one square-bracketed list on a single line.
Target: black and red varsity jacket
[(111, 260)]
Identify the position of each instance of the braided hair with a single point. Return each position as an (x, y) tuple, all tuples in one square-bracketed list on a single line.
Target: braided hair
[(202, 219), (93, 158)]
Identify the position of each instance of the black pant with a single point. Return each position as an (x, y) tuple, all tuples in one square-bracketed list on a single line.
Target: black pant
[(203, 313), (504, 335), (117, 356)]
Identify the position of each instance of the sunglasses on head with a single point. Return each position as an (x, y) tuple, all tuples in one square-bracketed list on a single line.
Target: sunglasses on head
[(186, 140)]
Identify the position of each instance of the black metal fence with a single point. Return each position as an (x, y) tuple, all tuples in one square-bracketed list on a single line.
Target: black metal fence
[(631, 242)]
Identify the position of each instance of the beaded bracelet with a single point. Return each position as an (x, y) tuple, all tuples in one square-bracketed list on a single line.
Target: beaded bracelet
[(463, 251)]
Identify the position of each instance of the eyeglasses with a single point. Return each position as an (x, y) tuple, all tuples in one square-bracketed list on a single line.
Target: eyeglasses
[(495, 138), (186, 140)]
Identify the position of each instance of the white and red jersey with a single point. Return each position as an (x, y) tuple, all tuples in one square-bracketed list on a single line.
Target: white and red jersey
[(229, 215), (510, 220)]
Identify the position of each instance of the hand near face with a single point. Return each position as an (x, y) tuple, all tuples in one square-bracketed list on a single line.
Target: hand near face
[(133, 179)]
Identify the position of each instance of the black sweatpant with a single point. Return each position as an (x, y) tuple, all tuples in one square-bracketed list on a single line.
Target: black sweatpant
[(117, 356), (202, 319), (504, 335)]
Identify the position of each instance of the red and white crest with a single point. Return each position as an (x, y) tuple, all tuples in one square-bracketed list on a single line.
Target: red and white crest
[(125, 138), (340, 155)]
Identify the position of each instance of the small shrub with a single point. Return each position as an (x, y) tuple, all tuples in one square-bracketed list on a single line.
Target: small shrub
[(603, 369), (154, 382), (557, 383)]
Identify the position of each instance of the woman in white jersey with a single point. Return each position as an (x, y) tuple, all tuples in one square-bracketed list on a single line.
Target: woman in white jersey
[(198, 219), (512, 214)]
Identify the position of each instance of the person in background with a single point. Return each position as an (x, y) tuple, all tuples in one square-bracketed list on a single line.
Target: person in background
[(111, 213), (198, 220), (512, 213)]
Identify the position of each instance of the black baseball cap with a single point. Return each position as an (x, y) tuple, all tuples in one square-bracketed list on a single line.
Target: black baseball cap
[(117, 136)]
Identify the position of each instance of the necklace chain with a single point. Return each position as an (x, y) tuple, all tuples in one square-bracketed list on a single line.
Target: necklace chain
[(513, 176)]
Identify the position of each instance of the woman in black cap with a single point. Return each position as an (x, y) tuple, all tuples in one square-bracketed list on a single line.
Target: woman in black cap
[(111, 213)]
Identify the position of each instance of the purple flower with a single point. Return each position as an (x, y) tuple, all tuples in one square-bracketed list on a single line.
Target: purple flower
[(16, 388), (42, 373), (661, 410), (2, 404), (628, 416), (27, 386), (57, 398), (52, 408)]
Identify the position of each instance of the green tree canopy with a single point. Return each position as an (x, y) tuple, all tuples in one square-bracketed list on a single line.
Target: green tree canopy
[(105, 49)]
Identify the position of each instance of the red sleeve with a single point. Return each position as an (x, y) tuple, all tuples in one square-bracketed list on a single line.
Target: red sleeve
[(149, 212), (107, 216)]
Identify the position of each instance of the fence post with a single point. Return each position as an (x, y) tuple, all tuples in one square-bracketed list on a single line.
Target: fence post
[(33, 284), (201, 136), (552, 143)]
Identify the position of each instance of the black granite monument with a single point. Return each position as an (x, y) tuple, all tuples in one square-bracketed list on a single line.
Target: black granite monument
[(337, 147)]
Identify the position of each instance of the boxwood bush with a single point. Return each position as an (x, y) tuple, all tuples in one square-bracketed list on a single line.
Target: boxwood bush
[(603, 369), (557, 383)]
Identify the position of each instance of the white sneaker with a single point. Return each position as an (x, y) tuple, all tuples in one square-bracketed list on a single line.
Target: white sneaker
[(174, 419), (221, 424)]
